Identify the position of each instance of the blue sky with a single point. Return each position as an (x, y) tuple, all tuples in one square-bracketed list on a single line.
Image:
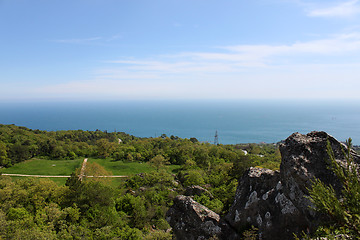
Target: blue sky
[(179, 49)]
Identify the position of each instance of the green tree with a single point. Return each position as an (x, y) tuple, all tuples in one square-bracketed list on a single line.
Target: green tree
[(104, 147), (4, 160), (134, 207), (344, 212), (158, 162), (96, 172), (193, 177)]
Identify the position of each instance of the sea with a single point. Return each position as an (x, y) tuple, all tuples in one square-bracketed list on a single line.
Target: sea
[(235, 121)]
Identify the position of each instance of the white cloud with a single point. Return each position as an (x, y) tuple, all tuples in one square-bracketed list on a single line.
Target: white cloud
[(313, 69), (337, 81), (342, 9)]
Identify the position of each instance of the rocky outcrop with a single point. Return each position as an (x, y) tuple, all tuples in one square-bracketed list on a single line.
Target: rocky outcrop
[(260, 201), (193, 221), (276, 202)]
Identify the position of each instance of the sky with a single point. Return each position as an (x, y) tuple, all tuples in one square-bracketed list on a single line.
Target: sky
[(179, 49)]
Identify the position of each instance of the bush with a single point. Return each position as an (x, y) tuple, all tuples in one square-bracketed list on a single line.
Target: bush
[(344, 213)]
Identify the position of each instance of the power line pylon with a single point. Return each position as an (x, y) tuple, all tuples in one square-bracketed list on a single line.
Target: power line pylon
[(216, 139)]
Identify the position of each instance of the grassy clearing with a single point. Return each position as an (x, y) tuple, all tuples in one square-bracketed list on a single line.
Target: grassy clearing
[(66, 167), (126, 168), (121, 168), (45, 167)]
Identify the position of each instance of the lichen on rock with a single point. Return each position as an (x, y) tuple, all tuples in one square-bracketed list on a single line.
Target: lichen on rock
[(276, 202)]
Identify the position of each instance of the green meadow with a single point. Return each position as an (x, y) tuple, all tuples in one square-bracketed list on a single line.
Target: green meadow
[(44, 167), (122, 168), (66, 167)]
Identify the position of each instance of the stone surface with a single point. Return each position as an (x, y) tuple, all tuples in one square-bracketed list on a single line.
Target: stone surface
[(304, 158), (260, 201), (193, 221), (197, 190), (276, 202)]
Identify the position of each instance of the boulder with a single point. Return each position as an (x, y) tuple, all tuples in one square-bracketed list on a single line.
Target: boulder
[(275, 202), (260, 201), (192, 221), (304, 158)]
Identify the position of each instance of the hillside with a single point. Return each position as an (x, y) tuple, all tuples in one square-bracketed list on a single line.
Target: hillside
[(96, 208)]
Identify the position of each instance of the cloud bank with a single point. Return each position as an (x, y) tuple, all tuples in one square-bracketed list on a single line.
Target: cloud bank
[(320, 68), (341, 9)]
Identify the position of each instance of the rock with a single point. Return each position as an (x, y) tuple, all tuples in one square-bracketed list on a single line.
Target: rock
[(259, 201), (275, 202), (304, 158), (197, 190), (193, 221)]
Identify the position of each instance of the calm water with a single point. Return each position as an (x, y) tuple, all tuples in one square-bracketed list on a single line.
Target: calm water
[(235, 121)]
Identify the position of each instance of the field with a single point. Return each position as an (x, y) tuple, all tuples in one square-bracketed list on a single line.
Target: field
[(45, 167), (126, 168), (121, 168), (66, 167)]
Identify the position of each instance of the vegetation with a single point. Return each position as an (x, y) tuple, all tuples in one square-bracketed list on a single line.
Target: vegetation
[(343, 213), (158, 169), (45, 167)]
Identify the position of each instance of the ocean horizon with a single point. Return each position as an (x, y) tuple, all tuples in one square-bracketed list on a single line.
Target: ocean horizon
[(237, 121)]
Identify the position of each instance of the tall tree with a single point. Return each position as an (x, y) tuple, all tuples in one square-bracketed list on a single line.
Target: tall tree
[(3, 155)]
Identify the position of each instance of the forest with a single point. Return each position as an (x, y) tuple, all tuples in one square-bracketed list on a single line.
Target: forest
[(33, 208)]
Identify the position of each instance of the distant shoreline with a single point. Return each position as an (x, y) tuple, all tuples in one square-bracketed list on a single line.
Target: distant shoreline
[(238, 121)]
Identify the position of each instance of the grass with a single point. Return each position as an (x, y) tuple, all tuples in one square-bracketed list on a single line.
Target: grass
[(121, 168), (66, 167), (127, 168), (45, 167)]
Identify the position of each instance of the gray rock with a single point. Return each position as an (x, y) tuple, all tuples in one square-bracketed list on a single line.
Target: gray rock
[(193, 221), (304, 158), (275, 202), (260, 201), (197, 190)]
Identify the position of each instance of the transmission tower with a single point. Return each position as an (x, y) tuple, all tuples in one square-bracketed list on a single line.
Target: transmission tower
[(216, 139)]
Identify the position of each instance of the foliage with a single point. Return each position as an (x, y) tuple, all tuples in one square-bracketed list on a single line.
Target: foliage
[(213, 204), (344, 212), (250, 234), (158, 162), (4, 160), (158, 170)]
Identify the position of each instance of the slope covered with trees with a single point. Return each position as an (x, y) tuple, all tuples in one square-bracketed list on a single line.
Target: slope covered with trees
[(93, 208)]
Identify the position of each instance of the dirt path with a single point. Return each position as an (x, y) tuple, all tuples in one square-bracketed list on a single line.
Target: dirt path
[(51, 176), (82, 171), (26, 175)]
